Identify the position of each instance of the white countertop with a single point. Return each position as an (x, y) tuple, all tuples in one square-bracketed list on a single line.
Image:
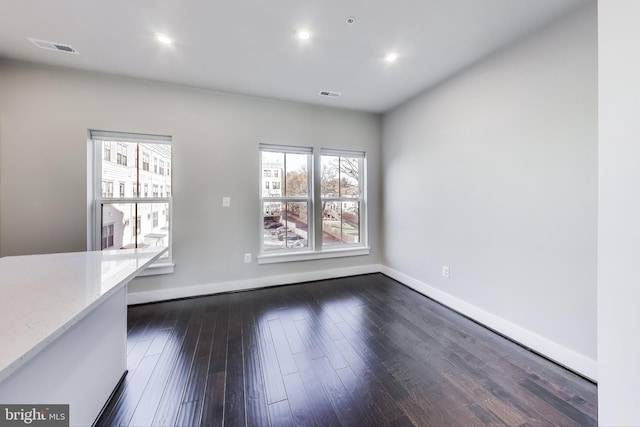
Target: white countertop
[(41, 296)]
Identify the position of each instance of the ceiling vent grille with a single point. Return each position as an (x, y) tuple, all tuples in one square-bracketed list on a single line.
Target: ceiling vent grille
[(60, 47), (329, 94)]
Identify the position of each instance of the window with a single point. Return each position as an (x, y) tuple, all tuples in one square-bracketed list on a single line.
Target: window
[(155, 165), (161, 167), (145, 161), (106, 150), (341, 197), (107, 236), (121, 156), (300, 225), (285, 212), (107, 189), (130, 220)]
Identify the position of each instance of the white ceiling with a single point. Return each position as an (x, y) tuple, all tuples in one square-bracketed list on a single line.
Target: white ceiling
[(248, 46)]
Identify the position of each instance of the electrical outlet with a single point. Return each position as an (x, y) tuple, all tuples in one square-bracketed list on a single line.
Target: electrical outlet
[(247, 258), (445, 271), (226, 202)]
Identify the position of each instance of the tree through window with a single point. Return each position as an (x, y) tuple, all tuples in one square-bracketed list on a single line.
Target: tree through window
[(288, 203), (341, 196)]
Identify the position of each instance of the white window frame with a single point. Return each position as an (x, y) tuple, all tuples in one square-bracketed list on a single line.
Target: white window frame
[(284, 199), (315, 249), (361, 156), (95, 200)]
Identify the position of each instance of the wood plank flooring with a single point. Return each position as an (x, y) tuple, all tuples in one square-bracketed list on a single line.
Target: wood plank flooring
[(357, 351)]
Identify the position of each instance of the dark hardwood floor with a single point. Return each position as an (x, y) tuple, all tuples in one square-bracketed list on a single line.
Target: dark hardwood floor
[(358, 351)]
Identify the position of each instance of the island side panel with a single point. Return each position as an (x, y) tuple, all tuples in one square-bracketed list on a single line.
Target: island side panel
[(80, 368)]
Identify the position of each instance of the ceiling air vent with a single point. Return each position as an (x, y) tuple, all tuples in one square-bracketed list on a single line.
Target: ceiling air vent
[(329, 94), (43, 44)]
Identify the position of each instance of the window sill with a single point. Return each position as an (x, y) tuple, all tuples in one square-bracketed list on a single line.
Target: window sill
[(310, 255), (160, 267)]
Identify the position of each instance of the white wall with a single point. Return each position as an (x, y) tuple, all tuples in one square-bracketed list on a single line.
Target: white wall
[(619, 213), (494, 173), (44, 117)]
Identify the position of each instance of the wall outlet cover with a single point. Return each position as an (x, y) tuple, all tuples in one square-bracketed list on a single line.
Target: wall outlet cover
[(445, 271)]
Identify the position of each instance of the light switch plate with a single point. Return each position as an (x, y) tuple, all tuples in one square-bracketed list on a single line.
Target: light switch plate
[(226, 202)]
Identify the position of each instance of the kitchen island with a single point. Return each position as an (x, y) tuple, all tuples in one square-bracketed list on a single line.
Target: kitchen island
[(63, 329)]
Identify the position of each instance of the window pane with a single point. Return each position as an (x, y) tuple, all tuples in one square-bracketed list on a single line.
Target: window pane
[(122, 171), (126, 172), (119, 218), (297, 182), (285, 225), (340, 176), (330, 176), (134, 225), (340, 223), (151, 179), (271, 164), (291, 166), (349, 177)]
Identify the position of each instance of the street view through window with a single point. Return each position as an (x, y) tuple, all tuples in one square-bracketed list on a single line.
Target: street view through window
[(134, 207), (287, 198)]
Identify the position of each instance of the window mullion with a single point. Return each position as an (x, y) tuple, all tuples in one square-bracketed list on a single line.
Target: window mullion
[(137, 171), (284, 172)]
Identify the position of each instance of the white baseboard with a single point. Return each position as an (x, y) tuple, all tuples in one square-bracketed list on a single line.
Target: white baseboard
[(241, 285), (554, 351)]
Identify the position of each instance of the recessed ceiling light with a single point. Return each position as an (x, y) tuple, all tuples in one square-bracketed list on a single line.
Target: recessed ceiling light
[(163, 38), (303, 34), (391, 57)]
